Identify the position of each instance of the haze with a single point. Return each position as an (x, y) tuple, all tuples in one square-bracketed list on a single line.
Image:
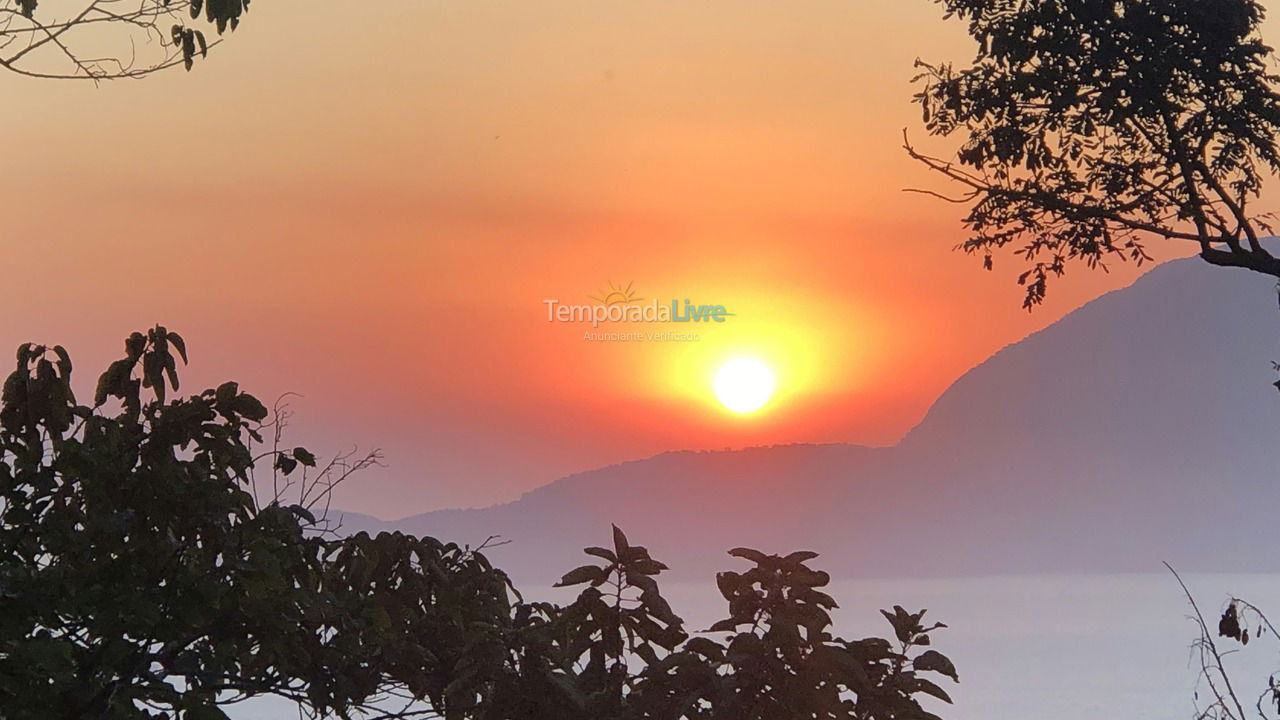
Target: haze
[(369, 206)]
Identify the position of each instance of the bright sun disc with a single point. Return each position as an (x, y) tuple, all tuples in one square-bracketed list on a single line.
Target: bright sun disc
[(744, 384)]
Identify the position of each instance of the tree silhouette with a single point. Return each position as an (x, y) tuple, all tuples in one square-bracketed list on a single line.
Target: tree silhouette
[(142, 577), (619, 652), (106, 39), (1089, 127), (164, 557)]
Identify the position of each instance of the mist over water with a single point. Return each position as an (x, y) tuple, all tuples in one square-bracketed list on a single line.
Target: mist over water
[(1047, 647), (1069, 647)]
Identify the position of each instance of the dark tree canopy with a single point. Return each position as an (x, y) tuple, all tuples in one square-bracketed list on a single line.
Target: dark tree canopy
[(105, 39), (1090, 127), (152, 566), (161, 558)]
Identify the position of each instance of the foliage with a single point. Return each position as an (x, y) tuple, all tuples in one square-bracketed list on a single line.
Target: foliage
[(154, 564), (620, 652), (66, 40), (140, 577), (1088, 127)]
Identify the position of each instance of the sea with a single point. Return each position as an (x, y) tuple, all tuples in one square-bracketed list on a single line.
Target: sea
[(1050, 647)]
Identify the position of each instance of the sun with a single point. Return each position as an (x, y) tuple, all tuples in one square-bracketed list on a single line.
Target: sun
[(743, 384)]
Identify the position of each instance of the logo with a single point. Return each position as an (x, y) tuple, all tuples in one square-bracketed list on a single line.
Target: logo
[(617, 296), (618, 304)]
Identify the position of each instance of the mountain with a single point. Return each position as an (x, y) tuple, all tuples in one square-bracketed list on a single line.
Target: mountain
[(1141, 427)]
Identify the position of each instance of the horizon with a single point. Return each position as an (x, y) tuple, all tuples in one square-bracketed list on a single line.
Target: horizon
[(1148, 269), (751, 160)]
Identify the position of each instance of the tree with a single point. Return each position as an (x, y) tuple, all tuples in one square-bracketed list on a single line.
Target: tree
[(619, 652), (142, 575), (106, 39), (165, 557), (1088, 128)]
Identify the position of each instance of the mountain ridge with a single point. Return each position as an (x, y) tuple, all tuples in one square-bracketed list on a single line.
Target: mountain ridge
[(1111, 440)]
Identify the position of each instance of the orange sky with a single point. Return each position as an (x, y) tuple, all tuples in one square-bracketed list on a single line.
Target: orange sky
[(367, 205)]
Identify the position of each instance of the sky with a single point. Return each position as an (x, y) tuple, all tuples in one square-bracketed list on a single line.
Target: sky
[(368, 205)]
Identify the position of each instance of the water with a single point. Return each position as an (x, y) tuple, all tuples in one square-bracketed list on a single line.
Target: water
[(1049, 647)]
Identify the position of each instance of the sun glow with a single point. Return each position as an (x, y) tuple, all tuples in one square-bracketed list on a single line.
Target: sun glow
[(744, 384)]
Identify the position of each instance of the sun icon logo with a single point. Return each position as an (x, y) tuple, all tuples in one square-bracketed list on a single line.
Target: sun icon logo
[(617, 295)]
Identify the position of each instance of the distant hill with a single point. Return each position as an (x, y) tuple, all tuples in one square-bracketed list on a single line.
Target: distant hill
[(1140, 428)]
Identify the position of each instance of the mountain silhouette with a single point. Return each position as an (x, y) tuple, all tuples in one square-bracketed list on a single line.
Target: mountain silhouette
[(1142, 427)]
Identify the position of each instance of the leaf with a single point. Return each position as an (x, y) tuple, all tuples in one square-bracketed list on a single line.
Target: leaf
[(811, 578), (659, 607), (744, 647), (227, 392), (174, 337), (584, 574), (64, 361), (114, 382), (620, 544), (934, 661), (304, 456), (136, 342), (903, 623), (705, 647), (754, 556), (1229, 624), (285, 464), (800, 556), (642, 581), (726, 625), (601, 553), (171, 371), (250, 408), (920, 684), (188, 49), (303, 514), (647, 566)]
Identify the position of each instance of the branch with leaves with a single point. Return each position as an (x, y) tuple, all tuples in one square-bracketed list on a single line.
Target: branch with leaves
[(619, 651), (141, 577), (1218, 696), (1089, 129), (109, 39)]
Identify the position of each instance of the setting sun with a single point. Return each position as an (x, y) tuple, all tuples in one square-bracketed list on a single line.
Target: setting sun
[(743, 385)]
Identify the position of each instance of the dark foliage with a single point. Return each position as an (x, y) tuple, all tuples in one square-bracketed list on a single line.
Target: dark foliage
[(140, 36), (144, 573), (619, 651), (1089, 127), (140, 577)]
